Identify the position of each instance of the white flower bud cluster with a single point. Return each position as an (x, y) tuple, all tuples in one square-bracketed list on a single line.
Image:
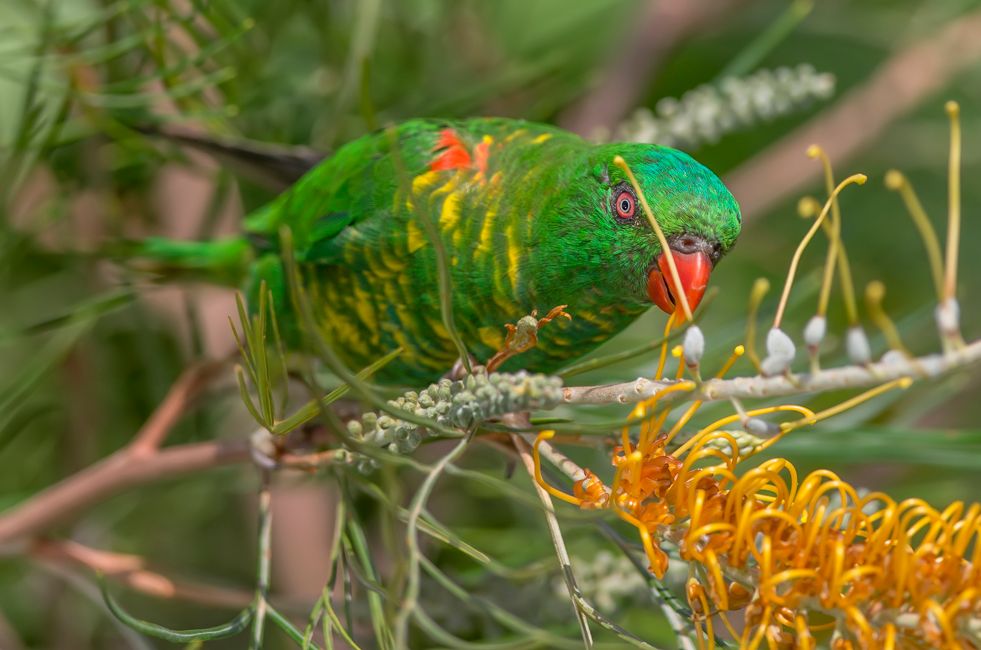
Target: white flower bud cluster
[(706, 113), (605, 579), (457, 405)]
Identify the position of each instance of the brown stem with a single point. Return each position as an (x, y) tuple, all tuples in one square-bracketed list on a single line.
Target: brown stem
[(859, 118), (141, 461), (182, 393), (110, 476), (130, 571)]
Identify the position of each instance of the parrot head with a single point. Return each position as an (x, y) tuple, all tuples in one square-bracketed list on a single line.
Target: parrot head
[(700, 220)]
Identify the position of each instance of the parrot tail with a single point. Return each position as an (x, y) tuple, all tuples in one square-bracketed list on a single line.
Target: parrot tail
[(222, 261)]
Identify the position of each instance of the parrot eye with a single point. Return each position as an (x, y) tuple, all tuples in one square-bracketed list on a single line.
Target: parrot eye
[(624, 205)]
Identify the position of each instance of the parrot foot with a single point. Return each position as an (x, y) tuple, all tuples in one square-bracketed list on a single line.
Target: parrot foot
[(523, 335)]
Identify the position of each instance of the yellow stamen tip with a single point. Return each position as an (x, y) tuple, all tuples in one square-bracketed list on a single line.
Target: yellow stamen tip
[(875, 290), (860, 178), (905, 382), (739, 350), (895, 179), (808, 206), (676, 351), (814, 151), (952, 108)]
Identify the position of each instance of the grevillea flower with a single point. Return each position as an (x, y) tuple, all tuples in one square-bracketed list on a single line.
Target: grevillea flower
[(795, 555)]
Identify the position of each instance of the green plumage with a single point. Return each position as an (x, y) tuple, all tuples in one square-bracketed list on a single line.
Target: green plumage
[(526, 216)]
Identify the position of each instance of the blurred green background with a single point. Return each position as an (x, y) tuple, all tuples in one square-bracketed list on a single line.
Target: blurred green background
[(82, 364)]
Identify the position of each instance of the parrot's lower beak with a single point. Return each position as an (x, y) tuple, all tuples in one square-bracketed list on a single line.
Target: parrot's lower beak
[(693, 271)]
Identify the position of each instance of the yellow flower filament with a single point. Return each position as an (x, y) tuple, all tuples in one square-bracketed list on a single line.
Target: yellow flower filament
[(718, 424), (954, 201), (836, 248), (760, 288), (875, 291), (664, 349), (795, 260), (896, 181), (676, 352)]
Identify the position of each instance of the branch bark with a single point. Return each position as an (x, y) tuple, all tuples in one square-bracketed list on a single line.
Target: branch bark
[(859, 118), (114, 474), (759, 386)]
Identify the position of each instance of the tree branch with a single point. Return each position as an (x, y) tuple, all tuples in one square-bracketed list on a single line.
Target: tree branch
[(126, 468), (139, 462), (182, 393), (131, 571), (754, 387), (114, 474)]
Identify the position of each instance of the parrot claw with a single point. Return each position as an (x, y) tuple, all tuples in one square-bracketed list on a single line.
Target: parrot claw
[(523, 335)]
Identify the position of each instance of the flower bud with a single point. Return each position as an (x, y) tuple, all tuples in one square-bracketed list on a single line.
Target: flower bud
[(760, 428), (948, 317), (780, 352), (694, 346), (893, 357), (857, 345), (814, 332)]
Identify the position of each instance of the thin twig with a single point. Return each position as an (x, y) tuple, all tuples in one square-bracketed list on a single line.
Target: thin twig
[(175, 404), (131, 571), (524, 451), (411, 594), (113, 475), (138, 462), (263, 561)]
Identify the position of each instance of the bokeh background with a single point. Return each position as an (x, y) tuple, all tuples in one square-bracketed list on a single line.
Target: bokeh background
[(87, 350)]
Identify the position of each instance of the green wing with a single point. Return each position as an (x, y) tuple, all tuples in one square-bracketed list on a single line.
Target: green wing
[(360, 184)]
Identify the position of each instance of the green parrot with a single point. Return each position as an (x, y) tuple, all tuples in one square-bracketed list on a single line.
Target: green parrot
[(529, 216)]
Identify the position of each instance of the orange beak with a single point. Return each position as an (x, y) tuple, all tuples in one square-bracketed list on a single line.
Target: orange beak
[(694, 270)]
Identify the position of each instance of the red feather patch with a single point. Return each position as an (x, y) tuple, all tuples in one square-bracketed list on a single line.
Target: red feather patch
[(452, 154), (480, 155)]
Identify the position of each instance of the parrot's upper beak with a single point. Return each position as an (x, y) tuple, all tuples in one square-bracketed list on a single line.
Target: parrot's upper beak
[(694, 269)]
